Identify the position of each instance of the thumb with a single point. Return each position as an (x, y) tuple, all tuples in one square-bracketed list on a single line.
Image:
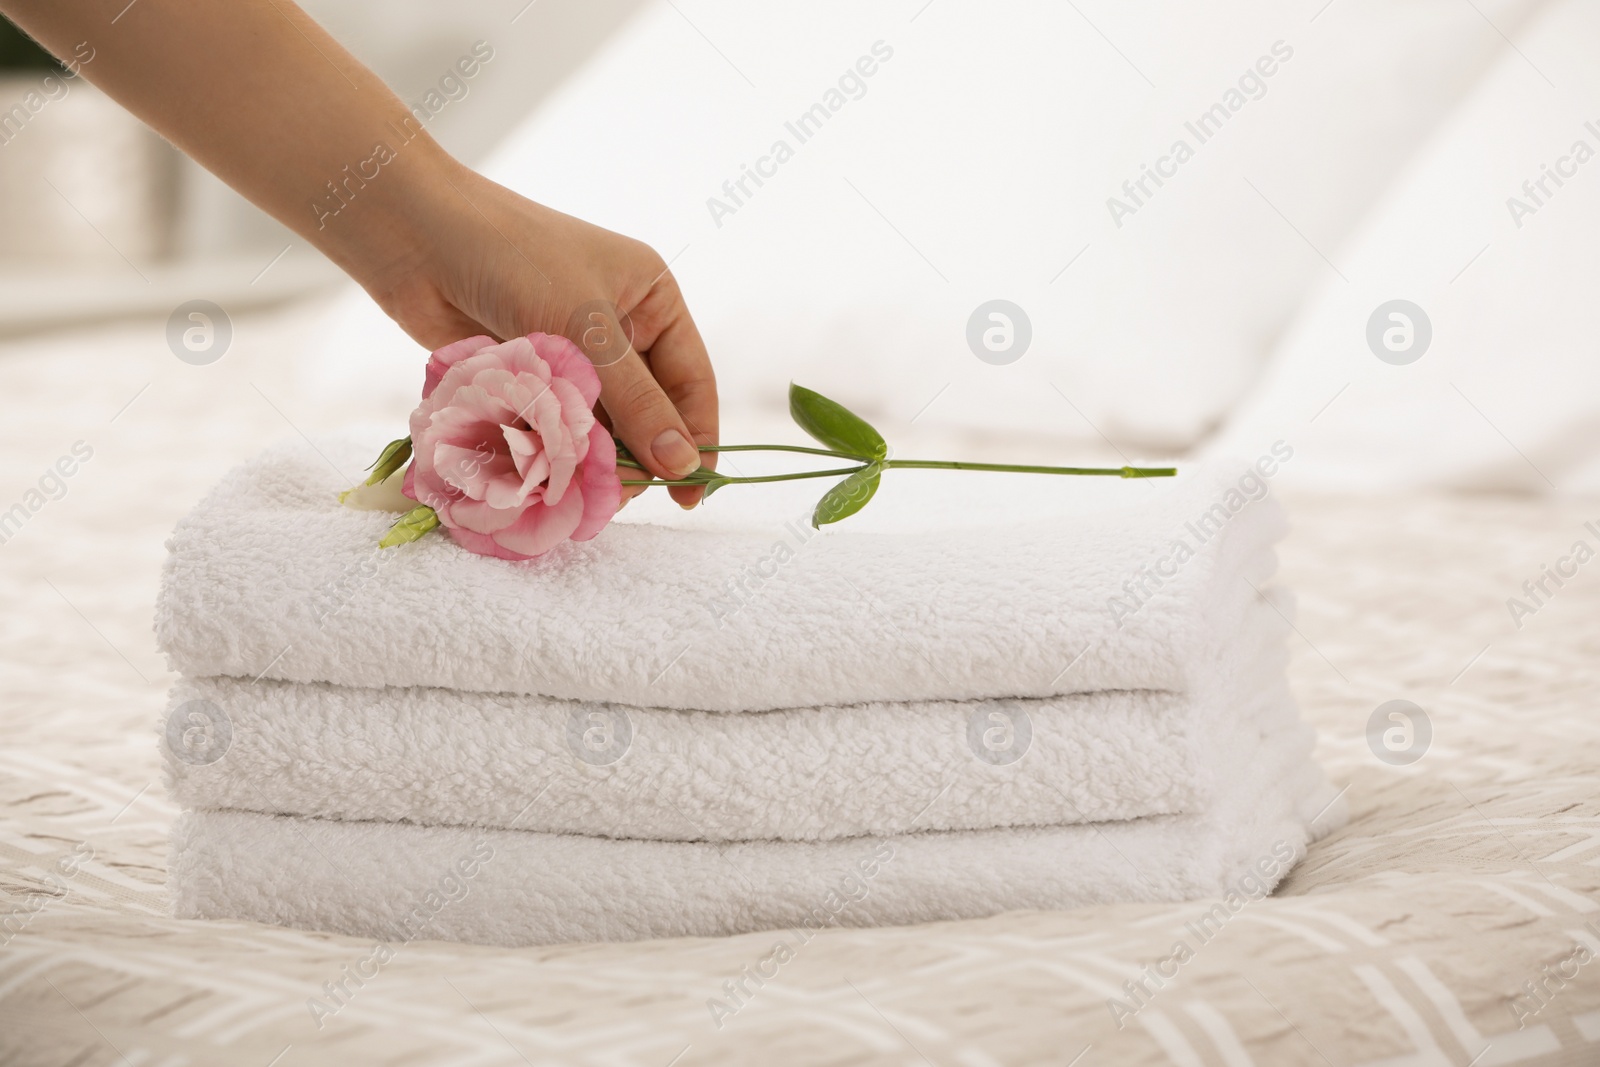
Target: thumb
[(643, 416)]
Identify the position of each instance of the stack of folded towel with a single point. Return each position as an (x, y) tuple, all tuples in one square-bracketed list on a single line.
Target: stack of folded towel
[(700, 731)]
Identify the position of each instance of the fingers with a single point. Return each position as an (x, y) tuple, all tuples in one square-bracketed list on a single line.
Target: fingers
[(662, 404), (682, 368), (632, 405), (645, 419)]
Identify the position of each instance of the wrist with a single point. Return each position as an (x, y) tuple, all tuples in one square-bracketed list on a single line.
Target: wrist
[(379, 217)]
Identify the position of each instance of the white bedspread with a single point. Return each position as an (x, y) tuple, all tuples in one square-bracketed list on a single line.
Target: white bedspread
[(1409, 933)]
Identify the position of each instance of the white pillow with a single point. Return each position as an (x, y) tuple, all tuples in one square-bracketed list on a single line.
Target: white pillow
[(1507, 394), (977, 163)]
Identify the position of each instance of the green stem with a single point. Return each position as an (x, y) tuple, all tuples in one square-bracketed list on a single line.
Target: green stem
[(782, 448), (747, 481), (924, 464), (625, 460), (1017, 468), (888, 464)]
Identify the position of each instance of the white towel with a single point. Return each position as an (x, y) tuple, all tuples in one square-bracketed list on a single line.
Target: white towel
[(396, 882), (445, 757), (270, 577)]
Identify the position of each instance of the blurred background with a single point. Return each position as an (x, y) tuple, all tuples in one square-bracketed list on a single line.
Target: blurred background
[(123, 198), (1358, 236), (1365, 228)]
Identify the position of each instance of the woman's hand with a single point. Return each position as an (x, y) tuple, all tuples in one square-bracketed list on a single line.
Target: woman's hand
[(260, 95), (489, 261)]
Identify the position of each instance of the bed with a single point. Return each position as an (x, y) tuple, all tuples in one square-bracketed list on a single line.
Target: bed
[(1462, 900)]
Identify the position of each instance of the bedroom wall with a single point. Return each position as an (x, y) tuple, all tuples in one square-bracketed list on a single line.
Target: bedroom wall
[(132, 227), (1139, 228), (1151, 193)]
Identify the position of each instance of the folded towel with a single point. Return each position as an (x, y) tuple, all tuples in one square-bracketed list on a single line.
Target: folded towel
[(791, 724), (397, 882), (444, 757), (270, 577)]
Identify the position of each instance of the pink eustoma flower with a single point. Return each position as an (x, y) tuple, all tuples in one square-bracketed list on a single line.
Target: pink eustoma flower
[(506, 448)]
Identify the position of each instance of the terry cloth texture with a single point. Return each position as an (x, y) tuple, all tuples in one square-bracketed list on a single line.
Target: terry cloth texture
[(448, 757), (936, 722), (270, 577), (399, 882)]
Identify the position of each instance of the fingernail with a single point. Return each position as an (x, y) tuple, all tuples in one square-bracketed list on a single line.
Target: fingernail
[(674, 452)]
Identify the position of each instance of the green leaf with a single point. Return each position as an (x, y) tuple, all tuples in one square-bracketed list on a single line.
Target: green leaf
[(848, 497), (410, 526), (834, 424), (391, 459)]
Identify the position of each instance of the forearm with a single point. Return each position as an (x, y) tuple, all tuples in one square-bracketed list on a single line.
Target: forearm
[(256, 92), (261, 96)]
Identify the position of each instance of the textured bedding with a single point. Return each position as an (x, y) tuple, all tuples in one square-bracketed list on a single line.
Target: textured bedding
[(1413, 936)]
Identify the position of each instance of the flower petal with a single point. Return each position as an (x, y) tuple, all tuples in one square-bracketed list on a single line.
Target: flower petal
[(447, 357), (543, 526), (482, 544), (480, 517), (507, 449), (475, 471), (601, 486), (472, 417), (521, 356), (568, 362)]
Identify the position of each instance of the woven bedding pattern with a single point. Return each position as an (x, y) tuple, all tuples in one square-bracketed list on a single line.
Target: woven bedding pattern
[(1462, 899), (1457, 903)]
